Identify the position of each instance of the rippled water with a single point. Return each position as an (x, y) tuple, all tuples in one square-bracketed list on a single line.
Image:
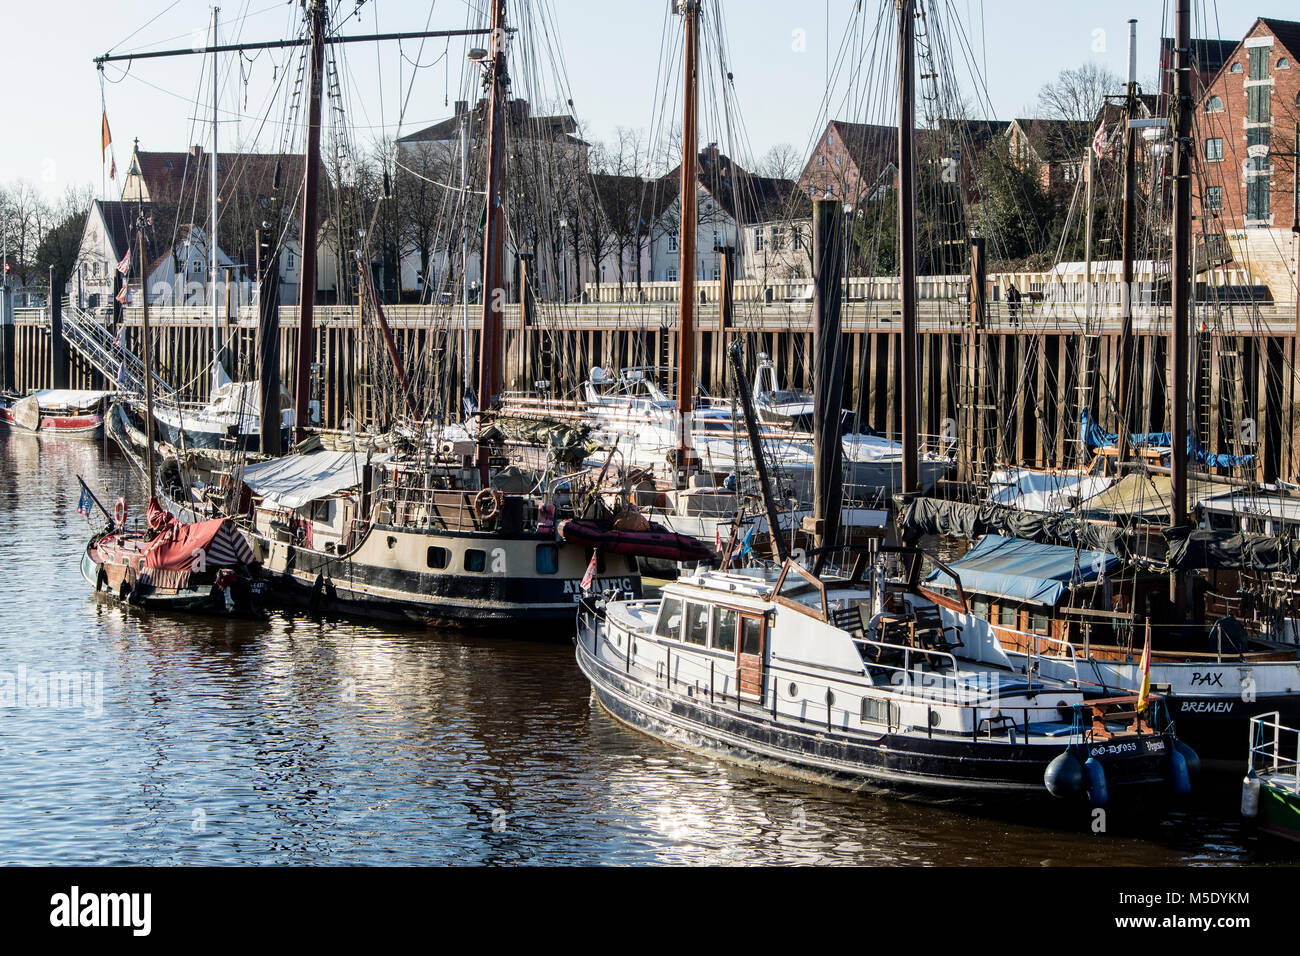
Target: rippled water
[(295, 741)]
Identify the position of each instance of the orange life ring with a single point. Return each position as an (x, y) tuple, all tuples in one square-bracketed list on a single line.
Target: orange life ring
[(119, 512), (486, 504)]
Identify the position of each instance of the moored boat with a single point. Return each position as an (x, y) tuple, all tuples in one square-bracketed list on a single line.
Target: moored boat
[(1271, 791), (783, 671), (65, 412)]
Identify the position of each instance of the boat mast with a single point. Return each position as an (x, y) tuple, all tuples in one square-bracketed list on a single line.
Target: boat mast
[(147, 355), (489, 367), (909, 384), (690, 10), (1180, 325), (1127, 244), (464, 258), (212, 236), (311, 189)]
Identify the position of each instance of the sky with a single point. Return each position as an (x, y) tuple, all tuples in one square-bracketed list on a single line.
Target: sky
[(604, 54)]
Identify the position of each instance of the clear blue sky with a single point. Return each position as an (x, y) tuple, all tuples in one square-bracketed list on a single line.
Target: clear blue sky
[(611, 51)]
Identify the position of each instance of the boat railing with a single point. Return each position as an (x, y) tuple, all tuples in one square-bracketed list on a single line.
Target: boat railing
[(1275, 748), (1036, 642)]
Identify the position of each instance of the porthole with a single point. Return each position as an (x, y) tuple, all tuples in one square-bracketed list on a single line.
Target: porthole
[(934, 718)]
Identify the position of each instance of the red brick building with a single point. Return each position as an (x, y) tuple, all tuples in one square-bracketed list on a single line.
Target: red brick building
[(1245, 132)]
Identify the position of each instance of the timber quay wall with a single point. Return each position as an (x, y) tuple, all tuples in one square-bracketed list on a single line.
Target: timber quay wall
[(1018, 400)]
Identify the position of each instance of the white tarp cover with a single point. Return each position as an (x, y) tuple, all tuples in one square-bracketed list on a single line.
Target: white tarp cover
[(51, 398), (295, 480), (1048, 492)]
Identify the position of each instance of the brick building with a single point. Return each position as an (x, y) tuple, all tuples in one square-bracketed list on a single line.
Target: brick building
[(1245, 131)]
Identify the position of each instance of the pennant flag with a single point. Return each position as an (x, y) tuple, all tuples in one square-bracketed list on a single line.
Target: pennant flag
[(112, 169), (1145, 690), (589, 578), (124, 266), (120, 337), (106, 137), (747, 545), (1099, 141), (86, 501), (717, 539), (123, 297), (121, 373)]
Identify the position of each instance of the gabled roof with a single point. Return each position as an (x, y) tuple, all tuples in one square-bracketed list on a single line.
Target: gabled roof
[(1057, 140), (520, 123), (119, 224), (167, 174), (740, 194), (1287, 33)]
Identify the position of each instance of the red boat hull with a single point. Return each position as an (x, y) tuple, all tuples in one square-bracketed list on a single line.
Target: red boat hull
[(71, 426)]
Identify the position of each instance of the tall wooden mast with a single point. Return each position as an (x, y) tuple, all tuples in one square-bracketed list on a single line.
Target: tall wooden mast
[(909, 384), (1180, 324), (310, 192), (493, 292), (1127, 248), (690, 10), (147, 354)]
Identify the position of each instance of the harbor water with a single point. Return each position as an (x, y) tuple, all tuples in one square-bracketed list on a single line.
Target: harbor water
[(135, 738)]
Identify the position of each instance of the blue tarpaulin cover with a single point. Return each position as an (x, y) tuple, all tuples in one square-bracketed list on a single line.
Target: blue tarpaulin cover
[(1025, 570), (1094, 438)]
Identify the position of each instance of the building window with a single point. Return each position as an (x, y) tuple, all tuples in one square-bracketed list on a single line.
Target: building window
[(672, 242), (1257, 198), (1259, 104), (778, 239), (670, 275), (290, 261), (717, 274), (1214, 150), (1283, 63), (1214, 197), (1259, 62), (1236, 68), (1258, 136), (830, 139), (475, 560), (838, 159), (1214, 105), (821, 160)]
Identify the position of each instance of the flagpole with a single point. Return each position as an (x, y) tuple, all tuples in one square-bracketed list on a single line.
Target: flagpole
[(98, 504)]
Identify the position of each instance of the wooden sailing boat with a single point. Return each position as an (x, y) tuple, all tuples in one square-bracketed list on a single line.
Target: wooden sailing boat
[(204, 567)]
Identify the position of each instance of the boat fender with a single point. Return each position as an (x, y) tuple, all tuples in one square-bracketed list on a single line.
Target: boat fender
[(1191, 756), (101, 579), (1179, 774), (1095, 775), (1064, 776), (1250, 796), (119, 512), (486, 504)]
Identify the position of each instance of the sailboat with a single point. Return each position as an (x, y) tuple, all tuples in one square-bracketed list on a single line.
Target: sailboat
[(201, 567), (848, 678)]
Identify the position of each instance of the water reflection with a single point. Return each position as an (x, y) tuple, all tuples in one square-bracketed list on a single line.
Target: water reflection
[(298, 741)]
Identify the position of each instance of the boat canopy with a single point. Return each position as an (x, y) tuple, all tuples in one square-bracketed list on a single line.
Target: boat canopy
[(179, 545), (295, 480), (51, 398), (1026, 570)]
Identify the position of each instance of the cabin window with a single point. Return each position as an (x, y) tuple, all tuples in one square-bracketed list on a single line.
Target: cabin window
[(1039, 623), (475, 560), (438, 558), (548, 558), (879, 711), (670, 618), (980, 607), (1007, 615), (697, 620), (320, 511), (751, 635), (724, 629)]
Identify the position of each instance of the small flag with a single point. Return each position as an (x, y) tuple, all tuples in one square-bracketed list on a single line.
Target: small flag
[(589, 578), (119, 338), (106, 138), (1099, 141), (123, 297), (112, 169), (717, 539), (1145, 691), (747, 544), (86, 501), (124, 266), (121, 374)]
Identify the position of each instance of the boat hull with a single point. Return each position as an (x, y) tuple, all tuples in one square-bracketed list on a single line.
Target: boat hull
[(939, 768), (392, 582), (1279, 812), (87, 426)]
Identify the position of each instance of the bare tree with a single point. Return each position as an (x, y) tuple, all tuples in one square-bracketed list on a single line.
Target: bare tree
[(1078, 95), (782, 161)]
